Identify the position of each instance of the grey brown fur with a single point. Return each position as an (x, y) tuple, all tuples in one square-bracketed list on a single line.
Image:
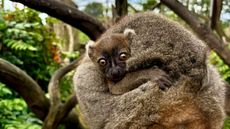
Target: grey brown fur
[(120, 42), (147, 107), (135, 79), (158, 38), (153, 44)]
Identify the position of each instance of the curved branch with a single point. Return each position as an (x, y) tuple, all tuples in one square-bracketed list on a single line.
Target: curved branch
[(53, 86), (203, 31), (58, 111), (31, 92), (87, 24)]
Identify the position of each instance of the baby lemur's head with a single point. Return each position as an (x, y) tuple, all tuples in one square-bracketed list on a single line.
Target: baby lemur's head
[(110, 53)]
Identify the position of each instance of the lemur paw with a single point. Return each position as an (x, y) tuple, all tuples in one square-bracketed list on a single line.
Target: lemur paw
[(164, 82)]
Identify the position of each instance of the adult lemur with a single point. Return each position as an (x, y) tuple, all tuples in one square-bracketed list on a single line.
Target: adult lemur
[(195, 99)]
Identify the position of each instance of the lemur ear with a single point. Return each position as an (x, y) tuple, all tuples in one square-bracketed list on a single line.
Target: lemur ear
[(128, 32), (90, 44), (90, 47)]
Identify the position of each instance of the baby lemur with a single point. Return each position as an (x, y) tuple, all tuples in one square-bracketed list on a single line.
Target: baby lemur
[(110, 55)]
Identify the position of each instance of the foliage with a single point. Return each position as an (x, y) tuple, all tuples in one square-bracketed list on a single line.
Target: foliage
[(66, 86), (227, 123), (25, 41), (83, 38), (14, 112), (148, 4), (221, 66), (95, 9)]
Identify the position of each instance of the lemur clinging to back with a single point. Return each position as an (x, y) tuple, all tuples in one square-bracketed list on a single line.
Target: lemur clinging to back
[(110, 55)]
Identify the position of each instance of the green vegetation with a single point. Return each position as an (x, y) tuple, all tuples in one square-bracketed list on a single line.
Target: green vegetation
[(14, 111), (29, 44), (227, 123), (25, 41), (95, 9), (221, 67)]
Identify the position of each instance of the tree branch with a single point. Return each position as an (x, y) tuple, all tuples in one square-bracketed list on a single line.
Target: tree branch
[(215, 11), (53, 87), (35, 98), (31, 92), (121, 7), (202, 30), (119, 10), (215, 24), (62, 112), (58, 110), (87, 24)]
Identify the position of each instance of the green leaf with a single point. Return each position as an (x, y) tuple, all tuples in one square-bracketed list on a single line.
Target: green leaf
[(20, 26), (3, 25), (12, 23)]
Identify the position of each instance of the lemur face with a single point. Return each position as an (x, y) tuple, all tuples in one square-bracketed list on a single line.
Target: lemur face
[(110, 54)]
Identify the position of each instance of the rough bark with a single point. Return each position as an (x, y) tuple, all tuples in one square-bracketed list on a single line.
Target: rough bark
[(203, 31), (31, 92), (87, 24)]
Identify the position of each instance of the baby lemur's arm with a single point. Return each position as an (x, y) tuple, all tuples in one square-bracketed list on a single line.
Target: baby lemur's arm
[(135, 79), (147, 59)]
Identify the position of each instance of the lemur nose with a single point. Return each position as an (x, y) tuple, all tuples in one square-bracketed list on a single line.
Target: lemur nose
[(116, 72)]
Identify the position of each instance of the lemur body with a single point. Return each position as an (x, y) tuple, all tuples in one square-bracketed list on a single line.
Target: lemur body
[(194, 101)]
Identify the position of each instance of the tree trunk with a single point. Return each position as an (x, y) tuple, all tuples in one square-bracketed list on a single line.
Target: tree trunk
[(120, 10)]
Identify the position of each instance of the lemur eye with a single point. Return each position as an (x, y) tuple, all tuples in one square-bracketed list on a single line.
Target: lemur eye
[(102, 62), (123, 56)]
